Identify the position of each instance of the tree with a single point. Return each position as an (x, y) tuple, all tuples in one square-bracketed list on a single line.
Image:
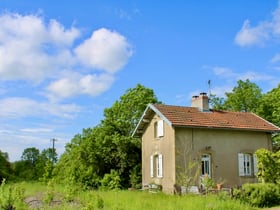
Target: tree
[(269, 109), (109, 145), (5, 167), (33, 164), (216, 102), (31, 155), (244, 97)]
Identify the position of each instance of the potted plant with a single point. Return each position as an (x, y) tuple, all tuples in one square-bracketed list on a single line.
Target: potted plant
[(220, 183)]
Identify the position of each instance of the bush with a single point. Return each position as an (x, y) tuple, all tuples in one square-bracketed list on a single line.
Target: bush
[(111, 181), (11, 197), (259, 195)]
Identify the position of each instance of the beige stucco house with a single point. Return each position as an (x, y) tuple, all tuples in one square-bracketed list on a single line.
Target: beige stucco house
[(180, 145)]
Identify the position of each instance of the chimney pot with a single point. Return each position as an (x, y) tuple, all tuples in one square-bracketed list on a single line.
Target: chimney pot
[(201, 102)]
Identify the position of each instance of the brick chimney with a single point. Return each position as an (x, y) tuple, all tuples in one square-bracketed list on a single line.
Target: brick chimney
[(201, 102)]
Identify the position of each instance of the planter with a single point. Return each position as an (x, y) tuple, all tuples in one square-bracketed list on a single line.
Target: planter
[(219, 186)]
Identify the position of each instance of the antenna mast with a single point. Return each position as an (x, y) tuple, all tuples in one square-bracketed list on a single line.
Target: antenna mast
[(209, 87)]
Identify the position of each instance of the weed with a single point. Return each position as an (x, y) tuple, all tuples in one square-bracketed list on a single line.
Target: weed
[(11, 197)]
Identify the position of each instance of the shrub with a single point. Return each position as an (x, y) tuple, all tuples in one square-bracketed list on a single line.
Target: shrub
[(135, 177), (111, 181), (11, 197), (268, 166), (259, 195)]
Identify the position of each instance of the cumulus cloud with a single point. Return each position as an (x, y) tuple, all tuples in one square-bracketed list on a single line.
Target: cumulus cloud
[(35, 50), (253, 35), (105, 49), (262, 32), (76, 84), (31, 49)]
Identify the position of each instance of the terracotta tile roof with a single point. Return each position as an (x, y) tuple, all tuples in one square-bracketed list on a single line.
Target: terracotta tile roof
[(192, 117)]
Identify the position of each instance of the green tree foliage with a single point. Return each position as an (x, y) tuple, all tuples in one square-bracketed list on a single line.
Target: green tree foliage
[(269, 109), (247, 96), (244, 97), (5, 167), (216, 102), (32, 165), (109, 145), (270, 106), (268, 166)]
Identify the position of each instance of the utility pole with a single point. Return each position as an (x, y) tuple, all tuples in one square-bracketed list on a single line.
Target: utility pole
[(53, 149)]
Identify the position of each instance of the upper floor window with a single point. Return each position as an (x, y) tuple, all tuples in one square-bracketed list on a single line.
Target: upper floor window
[(158, 128)]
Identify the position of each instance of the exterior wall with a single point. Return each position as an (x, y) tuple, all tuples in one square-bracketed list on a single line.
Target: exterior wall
[(223, 146), (154, 146)]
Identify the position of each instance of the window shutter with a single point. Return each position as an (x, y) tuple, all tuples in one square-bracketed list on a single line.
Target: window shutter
[(255, 159), (241, 164), (152, 166), (160, 128), (160, 165)]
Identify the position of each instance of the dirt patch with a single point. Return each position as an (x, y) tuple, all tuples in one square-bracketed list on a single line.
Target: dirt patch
[(37, 203)]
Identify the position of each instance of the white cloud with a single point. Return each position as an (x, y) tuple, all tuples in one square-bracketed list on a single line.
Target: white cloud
[(229, 74), (36, 130), (75, 84), (104, 50), (254, 76), (252, 35), (262, 32), (22, 107), (31, 49), (223, 71), (275, 59)]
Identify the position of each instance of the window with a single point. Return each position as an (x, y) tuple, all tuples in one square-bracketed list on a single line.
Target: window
[(156, 166), (206, 164), (247, 163), (158, 128)]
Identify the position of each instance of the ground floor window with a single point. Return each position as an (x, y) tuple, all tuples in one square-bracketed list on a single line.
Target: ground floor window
[(247, 164), (156, 165), (206, 165)]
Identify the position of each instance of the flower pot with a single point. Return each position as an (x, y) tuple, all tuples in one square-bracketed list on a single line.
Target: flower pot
[(219, 186)]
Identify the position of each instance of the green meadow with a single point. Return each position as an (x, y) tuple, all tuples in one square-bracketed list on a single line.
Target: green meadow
[(36, 195)]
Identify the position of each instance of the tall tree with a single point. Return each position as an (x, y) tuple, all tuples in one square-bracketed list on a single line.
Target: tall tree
[(244, 97), (109, 145), (269, 109), (30, 155)]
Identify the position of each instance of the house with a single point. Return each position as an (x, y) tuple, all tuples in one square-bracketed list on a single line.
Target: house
[(182, 144)]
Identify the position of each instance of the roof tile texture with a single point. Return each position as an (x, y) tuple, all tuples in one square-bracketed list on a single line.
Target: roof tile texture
[(193, 117)]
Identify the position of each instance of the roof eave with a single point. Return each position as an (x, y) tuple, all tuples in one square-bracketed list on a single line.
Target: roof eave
[(142, 119), (229, 128)]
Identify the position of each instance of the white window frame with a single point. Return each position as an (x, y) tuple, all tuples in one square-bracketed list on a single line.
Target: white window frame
[(152, 166), (206, 164), (247, 164), (156, 166), (159, 129)]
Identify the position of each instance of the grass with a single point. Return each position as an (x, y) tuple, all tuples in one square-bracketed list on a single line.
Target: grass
[(123, 200)]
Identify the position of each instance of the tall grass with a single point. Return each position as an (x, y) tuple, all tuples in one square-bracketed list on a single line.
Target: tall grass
[(128, 200)]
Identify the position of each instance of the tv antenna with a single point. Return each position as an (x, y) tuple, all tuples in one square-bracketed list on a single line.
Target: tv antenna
[(209, 87)]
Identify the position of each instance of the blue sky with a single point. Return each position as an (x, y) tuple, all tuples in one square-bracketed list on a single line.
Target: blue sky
[(63, 62)]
